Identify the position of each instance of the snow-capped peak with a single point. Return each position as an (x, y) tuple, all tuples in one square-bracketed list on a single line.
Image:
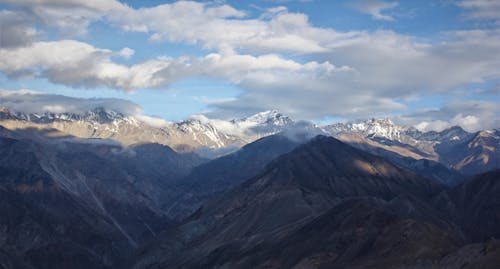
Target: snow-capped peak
[(381, 128), (97, 115), (270, 117)]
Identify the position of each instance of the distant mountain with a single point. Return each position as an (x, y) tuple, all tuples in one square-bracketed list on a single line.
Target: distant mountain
[(405, 156), (455, 148), (263, 124), (375, 128), (187, 135), (128, 130), (294, 191), (478, 152)]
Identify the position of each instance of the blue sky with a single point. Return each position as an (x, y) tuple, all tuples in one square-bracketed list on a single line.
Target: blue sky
[(318, 60)]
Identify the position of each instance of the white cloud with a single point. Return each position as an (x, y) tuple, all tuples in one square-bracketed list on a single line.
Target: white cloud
[(153, 121), (71, 17), (375, 8), (28, 101), (470, 115), (79, 64), (481, 9), (126, 53), (347, 74)]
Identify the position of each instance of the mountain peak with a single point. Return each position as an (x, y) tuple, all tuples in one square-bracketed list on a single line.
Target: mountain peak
[(269, 117), (381, 128)]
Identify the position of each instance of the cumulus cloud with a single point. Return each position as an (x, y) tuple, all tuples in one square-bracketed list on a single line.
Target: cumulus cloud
[(203, 23), (375, 8), (78, 64), (71, 17), (470, 115)]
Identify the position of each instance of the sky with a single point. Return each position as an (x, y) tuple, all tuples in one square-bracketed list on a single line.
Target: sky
[(431, 64)]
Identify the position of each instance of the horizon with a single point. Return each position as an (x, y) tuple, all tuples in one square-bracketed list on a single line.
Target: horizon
[(81, 106)]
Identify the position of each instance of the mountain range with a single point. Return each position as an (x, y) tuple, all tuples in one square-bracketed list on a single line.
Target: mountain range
[(107, 190), (443, 155)]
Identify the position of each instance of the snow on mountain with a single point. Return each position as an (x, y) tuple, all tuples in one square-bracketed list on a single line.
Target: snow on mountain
[(375, 128), (263, 123), (196, 132), (451, 135), (214, 137), (98, 115), (386, 129)]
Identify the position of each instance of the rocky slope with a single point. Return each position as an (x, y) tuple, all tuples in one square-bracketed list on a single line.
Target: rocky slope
[(454, 148), (328, 205), (217, 176), (68, 203), (291, 193)]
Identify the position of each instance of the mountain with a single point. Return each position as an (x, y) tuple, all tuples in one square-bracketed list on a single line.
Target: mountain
[(188, 135), (217, 176), (474, 205), (128, 130), (43, 225), (456, 149), (404, 157), (263, 124), (479, 152), (73, 203), (291, 193)]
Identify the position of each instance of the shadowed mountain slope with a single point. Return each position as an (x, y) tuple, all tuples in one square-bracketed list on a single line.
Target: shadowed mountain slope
[(288, 195)]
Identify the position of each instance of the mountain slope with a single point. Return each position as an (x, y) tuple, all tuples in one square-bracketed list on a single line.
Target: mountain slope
[(216, 176), (90, 200), (455, 148), (44, 226), (474, 205), (401, 156), (292, 191), (476, 154)]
